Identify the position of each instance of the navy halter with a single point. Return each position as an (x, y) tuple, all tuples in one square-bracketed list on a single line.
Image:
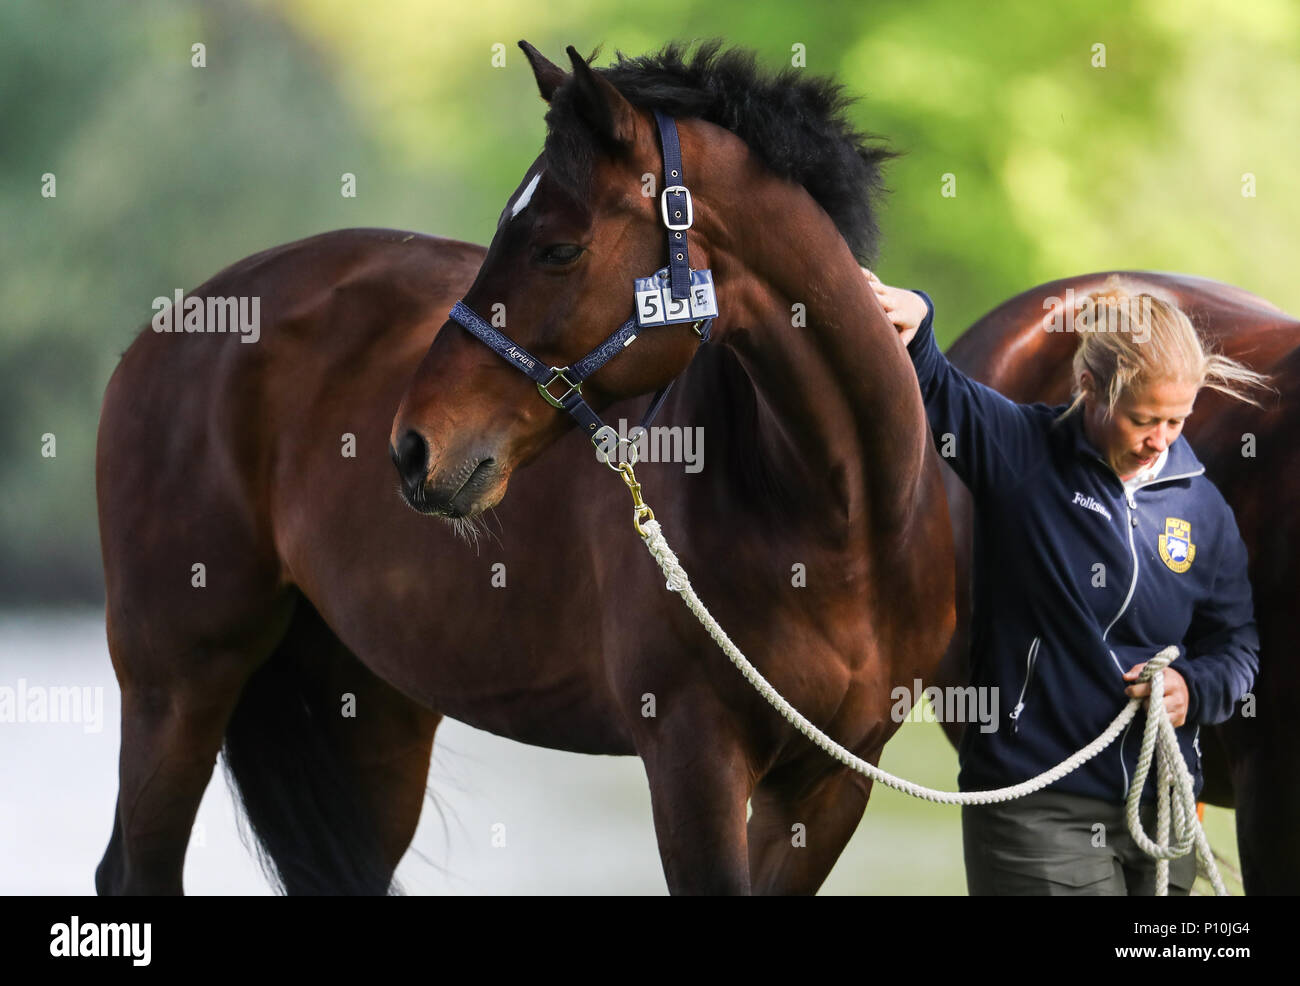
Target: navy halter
[(675, 202)]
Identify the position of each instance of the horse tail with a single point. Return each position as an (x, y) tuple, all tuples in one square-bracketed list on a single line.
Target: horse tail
[(311, 834)]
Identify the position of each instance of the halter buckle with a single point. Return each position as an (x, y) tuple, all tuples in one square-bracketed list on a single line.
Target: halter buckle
[(558, 373), (690, 208)]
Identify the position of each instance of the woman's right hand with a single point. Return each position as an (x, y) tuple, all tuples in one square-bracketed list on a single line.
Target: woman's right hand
[(906, 309)]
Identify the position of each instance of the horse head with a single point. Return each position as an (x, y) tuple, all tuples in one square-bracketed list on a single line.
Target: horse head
[(557, 281)]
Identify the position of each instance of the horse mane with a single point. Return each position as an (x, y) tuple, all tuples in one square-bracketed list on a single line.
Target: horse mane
[(795, 123)]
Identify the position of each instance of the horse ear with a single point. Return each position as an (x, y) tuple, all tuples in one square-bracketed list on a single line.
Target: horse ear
[(549, 75), (602, 106)]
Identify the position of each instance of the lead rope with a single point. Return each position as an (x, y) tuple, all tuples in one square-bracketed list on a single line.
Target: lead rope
[(1175, 790)]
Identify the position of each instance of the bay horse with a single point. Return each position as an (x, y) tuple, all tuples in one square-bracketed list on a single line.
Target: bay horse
[(1252, 455), (270, 591)]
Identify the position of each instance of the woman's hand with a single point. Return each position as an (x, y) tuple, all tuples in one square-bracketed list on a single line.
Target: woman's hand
[(1175, 692), (906, 309)]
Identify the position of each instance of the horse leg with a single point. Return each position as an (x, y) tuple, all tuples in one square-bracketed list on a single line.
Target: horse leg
[(803, 817), (388, 752), (1266, 786), (1268, 807), (329, 763), (177, 696), (383, 740), (700, 780)]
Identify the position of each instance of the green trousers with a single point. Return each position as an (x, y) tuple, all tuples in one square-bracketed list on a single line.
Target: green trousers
[(1056, 843)]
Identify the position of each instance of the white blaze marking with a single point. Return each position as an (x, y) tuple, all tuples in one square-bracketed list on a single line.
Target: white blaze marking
[(521, 203)]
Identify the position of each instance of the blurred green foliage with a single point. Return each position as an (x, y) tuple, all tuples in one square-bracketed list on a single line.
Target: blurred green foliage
[(166, 173)]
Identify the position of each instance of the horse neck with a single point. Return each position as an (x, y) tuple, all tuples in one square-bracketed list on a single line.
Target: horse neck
[(839, 416)]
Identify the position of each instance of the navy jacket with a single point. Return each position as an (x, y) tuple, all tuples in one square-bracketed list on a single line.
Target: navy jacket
[(1074, 582)]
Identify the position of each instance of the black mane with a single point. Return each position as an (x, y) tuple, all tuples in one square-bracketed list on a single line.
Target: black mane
[(794, 122)]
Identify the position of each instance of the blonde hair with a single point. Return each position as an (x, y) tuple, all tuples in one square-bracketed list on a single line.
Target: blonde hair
[(1130, 338)]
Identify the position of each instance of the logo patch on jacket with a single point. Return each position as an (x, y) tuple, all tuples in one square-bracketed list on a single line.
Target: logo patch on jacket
[(1176, 548)]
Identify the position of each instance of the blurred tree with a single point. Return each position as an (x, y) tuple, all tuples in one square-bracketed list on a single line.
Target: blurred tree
[(165, 173), (1062, 162)]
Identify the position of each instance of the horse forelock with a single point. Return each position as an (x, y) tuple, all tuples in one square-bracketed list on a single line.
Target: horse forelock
[(797, 124)]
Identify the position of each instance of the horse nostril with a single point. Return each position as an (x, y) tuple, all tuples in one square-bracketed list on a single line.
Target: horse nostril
[(412, 459)]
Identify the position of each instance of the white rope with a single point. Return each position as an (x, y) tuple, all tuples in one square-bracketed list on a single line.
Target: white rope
[(1174, 786)]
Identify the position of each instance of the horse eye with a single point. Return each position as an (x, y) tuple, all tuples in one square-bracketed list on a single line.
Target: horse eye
[(559, 254)]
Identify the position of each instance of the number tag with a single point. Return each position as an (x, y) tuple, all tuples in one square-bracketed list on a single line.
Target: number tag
[(655, 304), (649, 306)]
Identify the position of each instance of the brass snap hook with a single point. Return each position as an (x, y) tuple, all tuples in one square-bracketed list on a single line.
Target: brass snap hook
[(641, 511)]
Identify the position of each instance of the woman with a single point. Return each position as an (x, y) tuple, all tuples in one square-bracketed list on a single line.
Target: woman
[(1098, 541)]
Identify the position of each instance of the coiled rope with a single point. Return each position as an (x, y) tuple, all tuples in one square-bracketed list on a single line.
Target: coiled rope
[(1177, 825)]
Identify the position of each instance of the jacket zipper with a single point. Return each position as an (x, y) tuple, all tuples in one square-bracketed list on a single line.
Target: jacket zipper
[(1030, 659), (1131, 504)]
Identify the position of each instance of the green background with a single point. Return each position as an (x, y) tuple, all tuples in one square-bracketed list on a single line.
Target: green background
[(166, 173)]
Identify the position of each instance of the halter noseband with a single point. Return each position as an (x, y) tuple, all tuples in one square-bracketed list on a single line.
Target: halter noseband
[(683, 284)]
